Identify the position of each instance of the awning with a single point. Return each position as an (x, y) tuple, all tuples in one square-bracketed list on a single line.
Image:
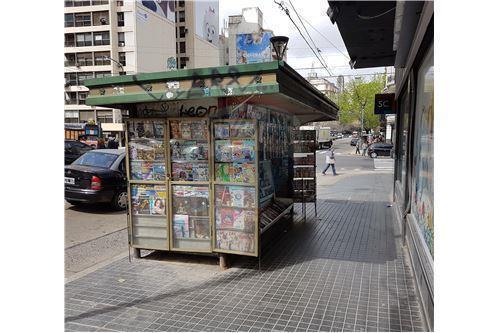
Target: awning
[(367, 28), (112, 127), (273, 84)]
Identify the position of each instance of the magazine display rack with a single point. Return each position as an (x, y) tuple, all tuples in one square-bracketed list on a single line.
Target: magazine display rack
[(304, 168)]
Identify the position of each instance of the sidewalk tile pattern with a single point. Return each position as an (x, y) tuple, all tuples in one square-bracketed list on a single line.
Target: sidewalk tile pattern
[(344, 271)]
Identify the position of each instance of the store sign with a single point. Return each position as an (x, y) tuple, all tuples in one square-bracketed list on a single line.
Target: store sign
[(385, 104)]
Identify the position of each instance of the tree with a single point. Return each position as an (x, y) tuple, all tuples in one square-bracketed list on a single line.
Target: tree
[(358, 96)]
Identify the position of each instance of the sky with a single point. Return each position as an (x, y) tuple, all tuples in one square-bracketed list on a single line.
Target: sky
[(299, 54)]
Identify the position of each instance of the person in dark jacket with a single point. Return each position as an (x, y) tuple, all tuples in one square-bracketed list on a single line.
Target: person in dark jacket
[(112, 144)]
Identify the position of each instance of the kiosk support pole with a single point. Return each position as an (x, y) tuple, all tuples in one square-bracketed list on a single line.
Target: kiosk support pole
[(223, 261)]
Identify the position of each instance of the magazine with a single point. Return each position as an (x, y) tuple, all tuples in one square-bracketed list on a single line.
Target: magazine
[(185, 130), (159, 171), (175, 131), (182, 171), (238, 219), (222, 195), (237, 196), (201, 228), (222, 172), (249, 220), (199, 130), (242, 130), (147, 171), (236, 150), (158, 130), (249, 197), (248, 173), (248, 151), (148, 199), (224, 217), (223, 151), (236, 173), (221, 130), (235, 241), (136, 170), (181, 226)]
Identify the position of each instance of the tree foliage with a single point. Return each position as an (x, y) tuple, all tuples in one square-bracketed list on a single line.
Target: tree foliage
[(359, 95)]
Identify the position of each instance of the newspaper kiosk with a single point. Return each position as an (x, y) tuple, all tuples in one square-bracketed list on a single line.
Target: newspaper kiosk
[(210, 152)]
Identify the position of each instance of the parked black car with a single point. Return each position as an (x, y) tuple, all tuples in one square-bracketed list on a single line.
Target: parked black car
[(379, 149), (98, 176), (354, 141), (74, 149)]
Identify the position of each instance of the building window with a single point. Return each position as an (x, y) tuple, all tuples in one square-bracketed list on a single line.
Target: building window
[(69, 20), (122, 58), (183, 62), (101, 58), (100, 18), (82, 76), (102, 74), (71, 79), (69, 59), (181, 4), (182, 32), (182, 16), (119, 3), (104, 116), (70, 97), (69, 40), (82, 96), (68, 3), (100, 2), (121, 19), (101, 38), (83, 20), (84, 59), (182, 47), (81, 3), (85, 116), (71, 116), (121, 39), (84, 39)]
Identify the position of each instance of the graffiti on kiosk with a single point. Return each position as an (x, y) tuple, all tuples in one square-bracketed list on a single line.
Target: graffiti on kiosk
[(176, 109)]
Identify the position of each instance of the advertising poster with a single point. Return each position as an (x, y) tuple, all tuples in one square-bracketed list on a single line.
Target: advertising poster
[(207, 20), (252, 48), (164, 8)]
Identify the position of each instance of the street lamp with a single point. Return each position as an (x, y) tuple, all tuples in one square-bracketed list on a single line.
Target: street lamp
[(116, 62), (279, 45)]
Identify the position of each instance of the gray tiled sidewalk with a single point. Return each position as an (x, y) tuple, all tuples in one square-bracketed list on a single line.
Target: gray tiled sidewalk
[(343, 272)]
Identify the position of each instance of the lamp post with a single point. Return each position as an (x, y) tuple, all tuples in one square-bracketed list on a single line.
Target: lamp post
[(279, 45), (116, 62)]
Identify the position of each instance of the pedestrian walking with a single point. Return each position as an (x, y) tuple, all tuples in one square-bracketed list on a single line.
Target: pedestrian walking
[(364, 147), (358, 145), (330, 161), (101, 144)]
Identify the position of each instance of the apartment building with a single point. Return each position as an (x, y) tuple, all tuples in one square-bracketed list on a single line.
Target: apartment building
[(197, 34), (103, 38), (322, 84)]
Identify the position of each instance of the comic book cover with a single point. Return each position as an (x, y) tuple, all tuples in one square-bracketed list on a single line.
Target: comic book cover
[(157, 204), (242, 130), (182, 171), (236, 150), (221, 131), (249, 220), (159, 171), (236, 173), (158, 130), (175, 131), (159, 152), (248, 173), (144, 206), (136, 170), (237, 196), (222, 195), (199, 130), (238, 219), (200, 172), (249, 197), (180, 205), (147, 170), (248, 151), (148, 129), (185, 130), (223, 151), (201, 228), (224, 218), (181, 226), (176, 149), (222, 172)]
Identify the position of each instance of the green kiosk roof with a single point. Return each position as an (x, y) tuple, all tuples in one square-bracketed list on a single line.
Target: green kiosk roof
[(273, 84)]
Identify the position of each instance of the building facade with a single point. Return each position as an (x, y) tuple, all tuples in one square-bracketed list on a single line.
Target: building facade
[(402, 35), (197, 33), (326, 87)]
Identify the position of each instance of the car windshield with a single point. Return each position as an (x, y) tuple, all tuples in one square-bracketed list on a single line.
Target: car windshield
[(101, 160)]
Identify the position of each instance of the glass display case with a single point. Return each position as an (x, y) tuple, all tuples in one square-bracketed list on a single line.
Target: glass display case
[(147, 184), (189, 157), (236, 207)]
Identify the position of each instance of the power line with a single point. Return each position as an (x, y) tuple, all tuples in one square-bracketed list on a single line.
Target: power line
[(307, 32), (282, 6)]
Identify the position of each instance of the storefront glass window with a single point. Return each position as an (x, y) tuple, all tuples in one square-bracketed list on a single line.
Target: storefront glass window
[(423, 184)]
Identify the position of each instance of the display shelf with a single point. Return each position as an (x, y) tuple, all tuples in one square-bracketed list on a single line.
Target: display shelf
[(304, 157)]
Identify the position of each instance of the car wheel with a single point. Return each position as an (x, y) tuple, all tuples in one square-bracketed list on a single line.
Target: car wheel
[(120, 200), (373, 155)]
